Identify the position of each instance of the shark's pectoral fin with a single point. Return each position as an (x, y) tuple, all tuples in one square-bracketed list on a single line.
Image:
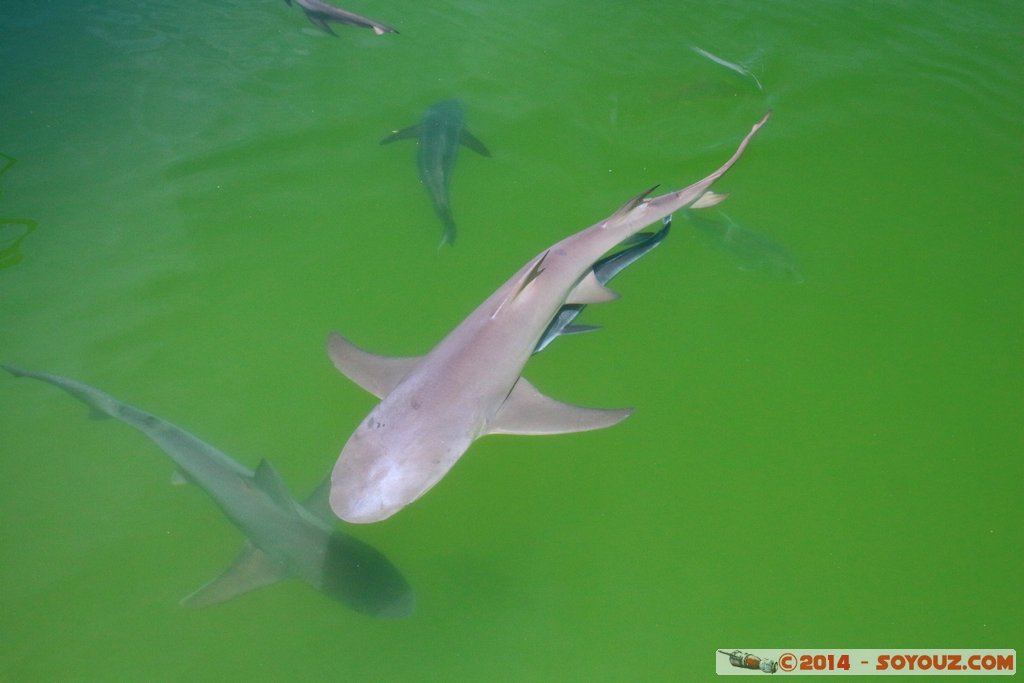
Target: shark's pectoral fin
[(589, 290), (527, 411), (376, 374), (252, 569), (471, 141), (403, 134)]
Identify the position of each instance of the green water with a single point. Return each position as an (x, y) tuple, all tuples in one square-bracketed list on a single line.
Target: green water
[(831, 463)]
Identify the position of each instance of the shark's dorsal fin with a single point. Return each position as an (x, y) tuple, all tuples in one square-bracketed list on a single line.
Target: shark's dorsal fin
[(471, 141), (376, 374), (524, 281), (403, 134), (527, 411), (631, 204), (252, 569), (267, 479), (589, 290)]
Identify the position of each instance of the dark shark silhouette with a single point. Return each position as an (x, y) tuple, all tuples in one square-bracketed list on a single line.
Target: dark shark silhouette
[(439, 133)]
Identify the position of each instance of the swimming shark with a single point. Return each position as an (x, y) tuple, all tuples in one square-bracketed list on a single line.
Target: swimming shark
[(433, 407), (439, 133), (286, 538), (319, 13)]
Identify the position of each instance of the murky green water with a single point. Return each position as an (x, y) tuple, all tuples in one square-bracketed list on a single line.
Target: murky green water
[(192, 195)]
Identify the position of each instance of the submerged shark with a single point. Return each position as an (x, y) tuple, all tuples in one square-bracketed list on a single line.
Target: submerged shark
[(439, 133), (320, 13), (285, 538), (470, 385)]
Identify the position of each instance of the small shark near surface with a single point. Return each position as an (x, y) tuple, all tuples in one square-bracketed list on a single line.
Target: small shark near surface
[(470, 385), (285, 538), (439, 133), (320, 13)]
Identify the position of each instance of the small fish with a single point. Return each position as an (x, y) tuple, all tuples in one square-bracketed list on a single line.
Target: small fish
[(320, 13), (433, 407), (439, 133), (286, 538), (742, 70)]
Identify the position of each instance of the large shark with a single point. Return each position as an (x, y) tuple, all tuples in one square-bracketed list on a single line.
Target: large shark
[(285, 538), (439, 133), (433, 407), (320, 13)]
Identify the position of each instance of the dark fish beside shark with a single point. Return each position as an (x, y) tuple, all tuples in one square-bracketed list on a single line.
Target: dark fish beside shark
[(470, 385), (604, 270), (438, 134), (320, 14), (285, 538)]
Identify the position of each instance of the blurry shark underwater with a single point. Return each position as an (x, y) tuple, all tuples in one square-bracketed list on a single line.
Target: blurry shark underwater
[(286, 538), (433, 407), (438, 135)]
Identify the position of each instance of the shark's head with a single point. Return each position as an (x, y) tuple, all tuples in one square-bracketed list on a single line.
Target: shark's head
[(380, 470)]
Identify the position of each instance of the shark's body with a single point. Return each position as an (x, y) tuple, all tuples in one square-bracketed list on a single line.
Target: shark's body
[(285, 538), (470, 384), (320, 13), (439, 133)]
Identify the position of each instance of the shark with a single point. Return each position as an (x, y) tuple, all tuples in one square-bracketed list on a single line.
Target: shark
[(320, 13), (432, 408), (285, 538), (440, 131)]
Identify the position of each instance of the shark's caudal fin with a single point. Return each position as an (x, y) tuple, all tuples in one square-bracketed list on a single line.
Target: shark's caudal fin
[(377, 374), (527, 411)]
